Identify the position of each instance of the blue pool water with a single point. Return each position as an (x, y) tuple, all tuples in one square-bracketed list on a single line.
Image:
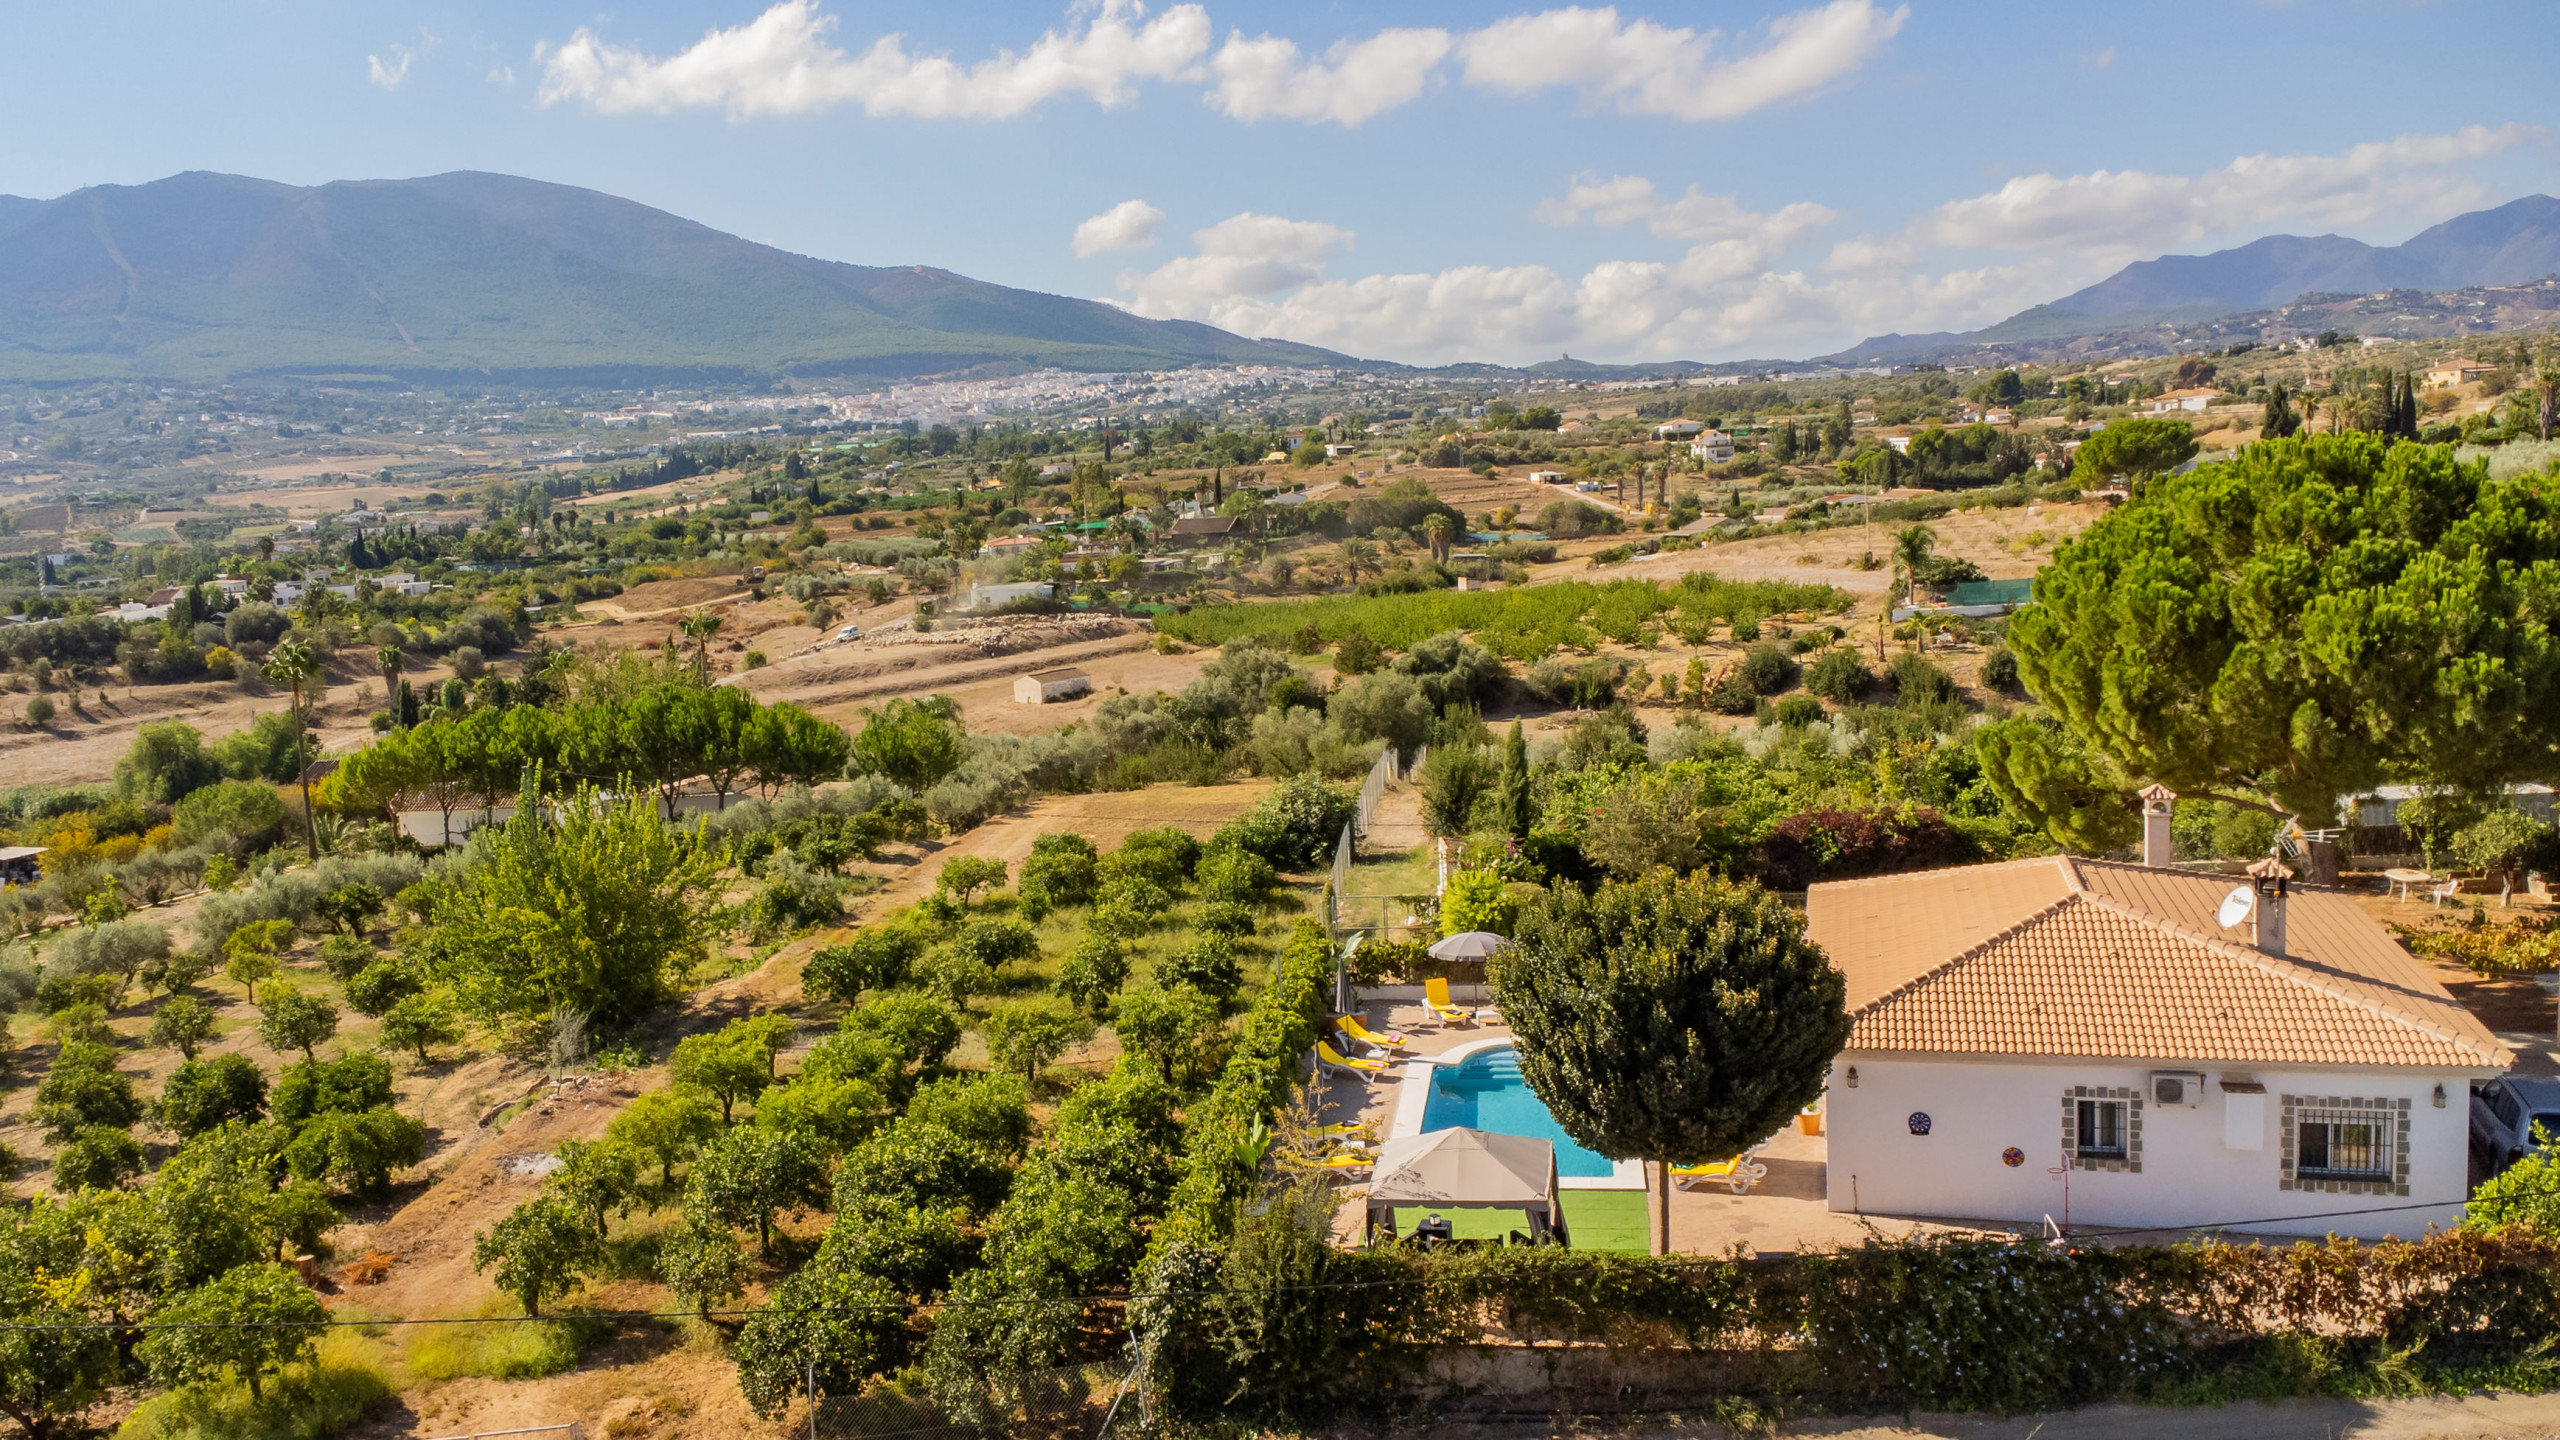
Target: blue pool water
[(1485, 1092)]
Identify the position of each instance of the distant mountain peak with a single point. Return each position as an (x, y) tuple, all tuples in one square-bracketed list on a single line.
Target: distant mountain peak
[(2506, 245), (203, 275)]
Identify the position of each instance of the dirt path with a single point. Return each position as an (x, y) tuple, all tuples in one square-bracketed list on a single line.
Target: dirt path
[(614, 609)]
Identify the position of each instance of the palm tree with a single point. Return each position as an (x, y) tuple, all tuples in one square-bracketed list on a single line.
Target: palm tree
[(1358, 555), (1436, 530), (266, 547), (1911, 549), (392, 663), (2546, 381), (293, 663), (699, 627)]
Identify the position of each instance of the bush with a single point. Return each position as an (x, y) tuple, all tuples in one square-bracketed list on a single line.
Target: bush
[(1063, 868), (1478, 900), (377, 987), (1296, 826), (1793, 711), (2000, 671), (1840, 676), (1164, 856), (1208, 965), (1093, 972), (165, 764), (39, 711), (236, 816), (100, 1157), (1917, 683), (872, 960), (1766, 669), (794, 897), (1846, 844)]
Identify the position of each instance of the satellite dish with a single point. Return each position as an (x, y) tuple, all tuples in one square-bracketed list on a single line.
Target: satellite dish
[(2237, 905)]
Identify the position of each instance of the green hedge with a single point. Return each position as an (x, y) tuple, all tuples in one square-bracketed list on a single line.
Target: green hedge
[(1219, 1167), (1281, 1324)]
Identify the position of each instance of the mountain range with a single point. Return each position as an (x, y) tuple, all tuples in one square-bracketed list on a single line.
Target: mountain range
[(2513, 243), (209, 276)]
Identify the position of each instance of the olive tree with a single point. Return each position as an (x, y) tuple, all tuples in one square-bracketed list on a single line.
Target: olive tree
[(1671, 1020)]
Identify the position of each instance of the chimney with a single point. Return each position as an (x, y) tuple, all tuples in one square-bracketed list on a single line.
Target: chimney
[(2158, 849), (2268, 877)]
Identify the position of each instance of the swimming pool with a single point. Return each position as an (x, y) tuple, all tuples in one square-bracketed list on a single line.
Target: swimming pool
[(1485, 1092)]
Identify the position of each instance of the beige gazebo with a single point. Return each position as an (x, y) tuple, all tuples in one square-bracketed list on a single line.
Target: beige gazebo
[(1461, 1169)]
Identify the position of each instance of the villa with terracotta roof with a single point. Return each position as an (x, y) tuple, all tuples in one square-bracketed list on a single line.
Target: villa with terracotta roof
[(2087, 1040)]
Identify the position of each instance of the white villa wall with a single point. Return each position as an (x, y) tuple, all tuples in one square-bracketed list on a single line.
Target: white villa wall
[(2190, 1176)]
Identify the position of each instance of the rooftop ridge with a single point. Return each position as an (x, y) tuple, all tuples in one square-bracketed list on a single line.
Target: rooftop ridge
[(2293, 972), (1899, 876)]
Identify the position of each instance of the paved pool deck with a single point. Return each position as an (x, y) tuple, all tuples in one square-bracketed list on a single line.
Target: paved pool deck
[(1788, 1210)]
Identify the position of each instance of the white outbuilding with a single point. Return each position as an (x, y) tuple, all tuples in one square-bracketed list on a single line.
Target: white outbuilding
[(2135, 1046), (1042, 686)]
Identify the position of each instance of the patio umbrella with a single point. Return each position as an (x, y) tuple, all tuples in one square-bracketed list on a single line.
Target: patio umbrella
[(1469, 945)]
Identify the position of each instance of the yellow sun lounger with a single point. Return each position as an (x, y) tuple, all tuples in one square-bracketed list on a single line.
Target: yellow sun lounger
[(1739, 1174), (1352, 1029), (1333, 1059), (1435, 998), (1345, 1161)]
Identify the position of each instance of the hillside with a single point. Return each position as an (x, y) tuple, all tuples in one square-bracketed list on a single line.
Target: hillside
[(2506, 246), (222, 276)]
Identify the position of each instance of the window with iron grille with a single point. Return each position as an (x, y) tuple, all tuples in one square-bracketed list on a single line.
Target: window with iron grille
[(2346, 1145), (2102, 1130)]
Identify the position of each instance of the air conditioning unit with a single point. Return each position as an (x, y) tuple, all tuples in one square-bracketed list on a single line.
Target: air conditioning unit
[(2183, 1088)]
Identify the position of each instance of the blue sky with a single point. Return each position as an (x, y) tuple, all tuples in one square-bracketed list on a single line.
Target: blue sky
[(1422, 182)]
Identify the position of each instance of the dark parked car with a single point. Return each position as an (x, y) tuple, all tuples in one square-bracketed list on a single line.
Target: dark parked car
[(2504, 1112)]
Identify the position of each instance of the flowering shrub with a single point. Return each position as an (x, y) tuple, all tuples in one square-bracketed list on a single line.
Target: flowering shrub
[(1845, 844)]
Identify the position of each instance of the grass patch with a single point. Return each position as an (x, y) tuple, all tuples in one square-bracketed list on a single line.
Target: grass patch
[(1523, 624), (504, 1349), (1607, 1220), (344, 1382)]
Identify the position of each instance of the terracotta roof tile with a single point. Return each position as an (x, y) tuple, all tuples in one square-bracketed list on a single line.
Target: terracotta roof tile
[(2058, 956)]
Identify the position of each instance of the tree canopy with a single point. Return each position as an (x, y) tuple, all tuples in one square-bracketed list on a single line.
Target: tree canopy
[(1674, 1020), (2312, 618), (2135, 449)]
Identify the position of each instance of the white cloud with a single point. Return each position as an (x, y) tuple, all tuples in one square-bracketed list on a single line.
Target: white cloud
[(1701, 219), (1129, 225), (1735, 288), (389, 76), (1268, 77), (781, 63), (1241, 261), (2110, 217), (1642, 68)]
